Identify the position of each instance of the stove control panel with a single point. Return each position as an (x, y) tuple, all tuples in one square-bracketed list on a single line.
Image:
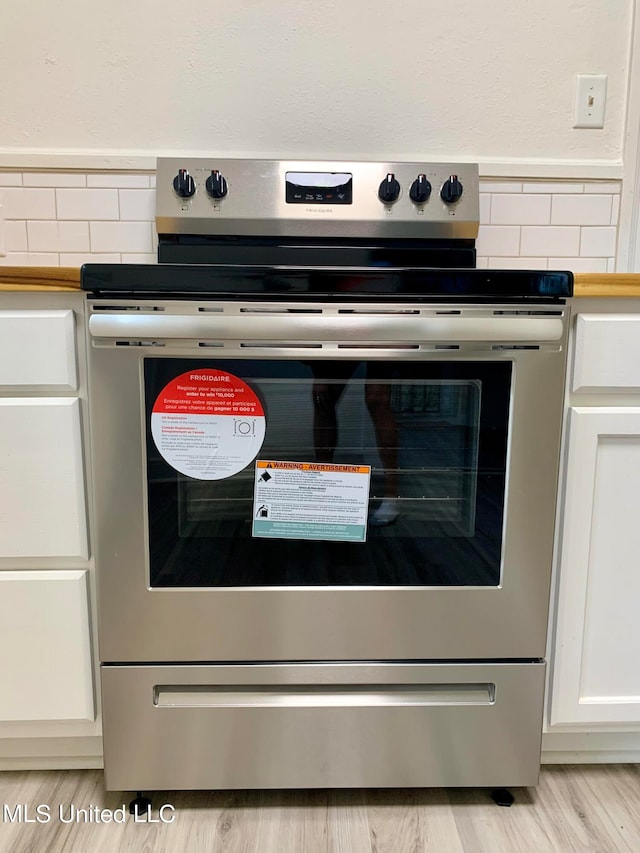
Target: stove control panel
[(223, 196)]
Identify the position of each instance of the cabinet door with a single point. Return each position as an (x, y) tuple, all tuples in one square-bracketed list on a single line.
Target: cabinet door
[(42, 503), (596, 675), (37, 348), (45, 646)]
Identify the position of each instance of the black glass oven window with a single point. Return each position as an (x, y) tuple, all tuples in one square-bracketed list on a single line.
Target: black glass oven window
[(434, 433)]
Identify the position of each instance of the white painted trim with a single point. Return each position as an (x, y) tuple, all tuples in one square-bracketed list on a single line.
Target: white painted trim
[(628, 250), (553, 169), (61, 762), (591, 747), (51, 753), (145, 161), (80, 160), (605, 756)]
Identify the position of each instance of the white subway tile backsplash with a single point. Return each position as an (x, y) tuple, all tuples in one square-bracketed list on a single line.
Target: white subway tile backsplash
[(578, 264), (121, 237), (518, 263), (74, 259), (603, 187), (14, 259), (152, 181), (615, 210), (87, 204), (58, 236), (138, 205), (28, 203), (585, 209), (118, 181), (29, 259), (10, 179), (512, 209), (500, 187), (482, 263), (503, 240), (544, 241), (54, 179), (611, 264), (553, 187), (15, 236), (595, 242), (141, 258), (485, 208)]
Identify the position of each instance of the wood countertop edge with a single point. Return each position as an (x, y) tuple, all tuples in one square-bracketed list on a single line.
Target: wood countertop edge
[(606, 284), (68, 279), (39, 278)]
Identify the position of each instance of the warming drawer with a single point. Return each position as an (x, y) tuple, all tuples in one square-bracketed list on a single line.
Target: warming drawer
[(322, 725)]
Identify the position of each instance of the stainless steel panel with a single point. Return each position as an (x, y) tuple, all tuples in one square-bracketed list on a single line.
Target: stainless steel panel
[(330, 325), (381, 742), (255, 204), (327, 623)]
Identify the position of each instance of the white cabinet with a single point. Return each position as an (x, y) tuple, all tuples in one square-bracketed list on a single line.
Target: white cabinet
[(607, 353), (595, 674), (45, 647), (47, 591), (42, 506), (38, 347)]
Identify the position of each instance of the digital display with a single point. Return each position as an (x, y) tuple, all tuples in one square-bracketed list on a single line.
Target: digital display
[(319, 187)]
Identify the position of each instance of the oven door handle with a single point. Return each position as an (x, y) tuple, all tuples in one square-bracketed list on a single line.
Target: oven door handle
[(322, 696), (326, 327)]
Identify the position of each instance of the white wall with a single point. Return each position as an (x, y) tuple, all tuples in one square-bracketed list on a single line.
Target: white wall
[(329, 78)]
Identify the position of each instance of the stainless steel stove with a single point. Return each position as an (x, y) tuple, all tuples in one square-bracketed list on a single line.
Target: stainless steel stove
[(325, 452)]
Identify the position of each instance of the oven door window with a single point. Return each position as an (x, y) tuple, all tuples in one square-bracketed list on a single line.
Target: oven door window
[(434, 433)]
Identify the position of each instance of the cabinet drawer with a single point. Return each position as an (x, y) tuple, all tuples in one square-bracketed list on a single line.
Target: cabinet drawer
[(45, 648), (42, 502), (607, 353), (38, 348)]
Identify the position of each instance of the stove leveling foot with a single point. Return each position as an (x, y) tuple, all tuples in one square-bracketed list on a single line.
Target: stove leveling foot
[(139, 805), (502, 797)]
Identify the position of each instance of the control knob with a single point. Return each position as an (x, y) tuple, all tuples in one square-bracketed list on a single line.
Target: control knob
[(216, 185), (451, 190), (183, 184), (420, 190), (389, 189)]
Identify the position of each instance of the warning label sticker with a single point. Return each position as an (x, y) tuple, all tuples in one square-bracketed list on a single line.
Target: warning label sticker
[(311, 500), (208, 424)]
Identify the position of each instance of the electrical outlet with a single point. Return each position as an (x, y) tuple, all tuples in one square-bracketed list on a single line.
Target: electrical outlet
[(591, 96), (2, 250)]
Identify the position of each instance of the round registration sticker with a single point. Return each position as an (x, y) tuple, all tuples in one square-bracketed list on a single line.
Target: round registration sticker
[(208, 424)]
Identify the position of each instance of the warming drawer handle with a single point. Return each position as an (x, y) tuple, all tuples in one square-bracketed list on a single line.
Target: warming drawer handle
[(303, 696), (332, 327)]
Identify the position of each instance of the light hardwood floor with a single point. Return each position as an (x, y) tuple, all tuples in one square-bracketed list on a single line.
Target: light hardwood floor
[(575, 808)]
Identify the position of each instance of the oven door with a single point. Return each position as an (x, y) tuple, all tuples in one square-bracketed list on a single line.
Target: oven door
[(328, 482)]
